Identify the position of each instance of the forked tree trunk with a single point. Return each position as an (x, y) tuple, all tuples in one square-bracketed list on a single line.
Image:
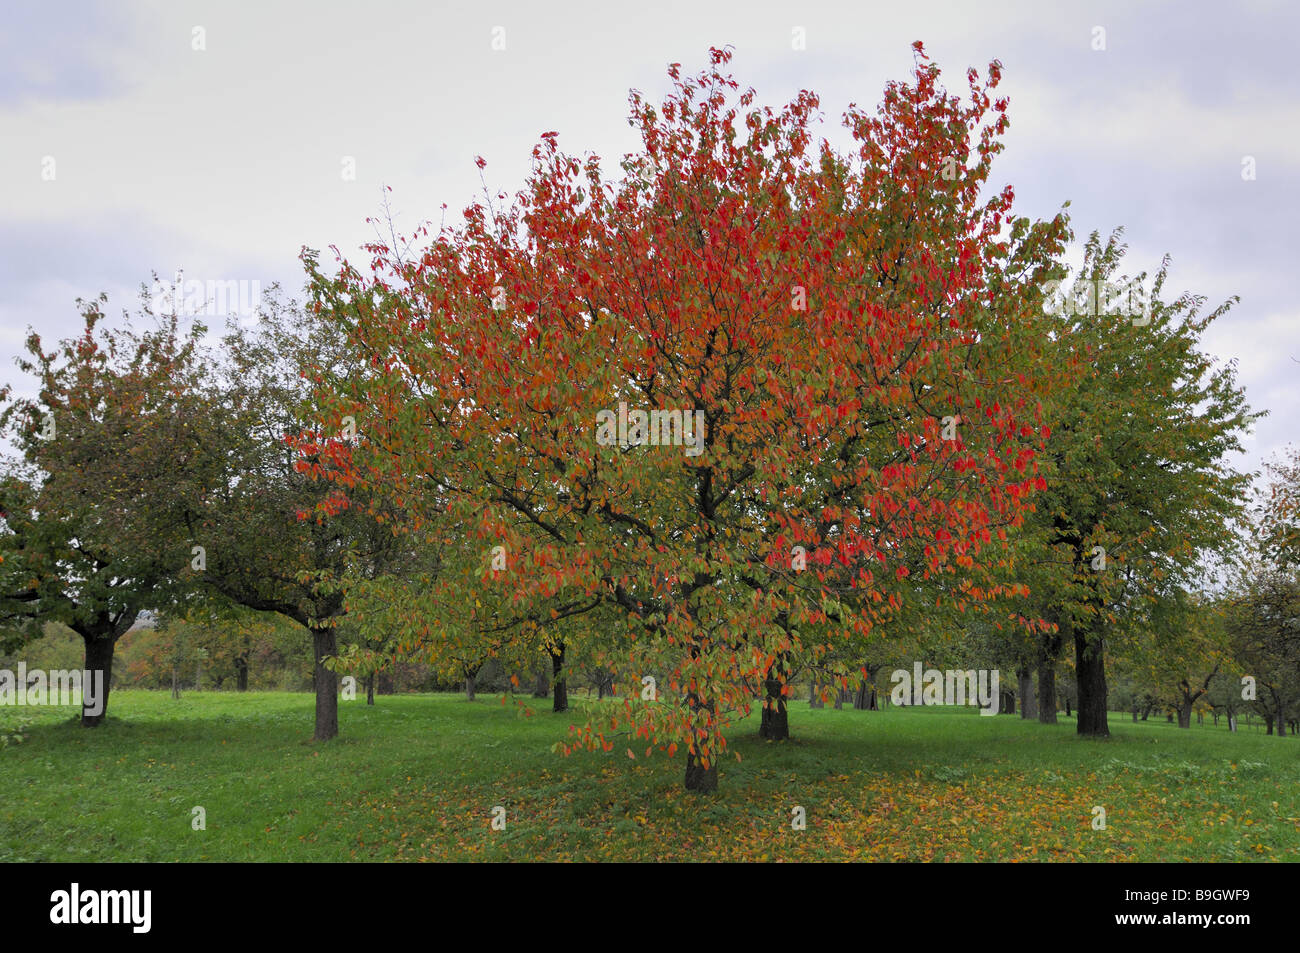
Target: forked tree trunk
[(1090, 669), (325, 645)]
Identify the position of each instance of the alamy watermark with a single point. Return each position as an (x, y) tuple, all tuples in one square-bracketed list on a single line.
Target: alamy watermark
[(953, 687), (37, 688), (194, 297), (654, 428), (1089, 298)]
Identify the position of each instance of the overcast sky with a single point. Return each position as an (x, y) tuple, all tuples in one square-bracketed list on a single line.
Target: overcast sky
[(141, 137)]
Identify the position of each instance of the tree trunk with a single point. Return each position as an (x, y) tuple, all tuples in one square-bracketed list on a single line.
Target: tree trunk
[(1047, 692), (370, 689), (324, 645), (176, 683), (542, 685), (241, 673), (1090, 671), (469, 687), (1185, 715), (560, 690), (1232, 722), (775, 723), (99, 658), (699, 778), (814, 698), (1025, 689)]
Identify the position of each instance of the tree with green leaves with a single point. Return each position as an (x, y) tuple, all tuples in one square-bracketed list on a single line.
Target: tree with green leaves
[(93, 511), (1139, 492)]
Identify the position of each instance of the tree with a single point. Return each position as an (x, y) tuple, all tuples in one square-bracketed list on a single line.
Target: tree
[(1139, 493), (1264, 618), (93, 512), (1181, 652), (277, 533), (733, 400)]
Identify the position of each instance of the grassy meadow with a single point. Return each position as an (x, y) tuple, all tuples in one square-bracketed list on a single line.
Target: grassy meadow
[(416, 778)]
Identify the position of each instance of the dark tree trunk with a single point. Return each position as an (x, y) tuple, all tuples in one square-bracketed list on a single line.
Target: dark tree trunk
[(775, 723), (1090, 671), (865, 698), (1185, 715), (469, 686), (1145, 712), (1025, 689), (241, 673), (701, 779), (1047, 692), (1268, 724), (814, 697), (370, 689), (99, 658), (559, 690), (1135, 716), (324, 645)]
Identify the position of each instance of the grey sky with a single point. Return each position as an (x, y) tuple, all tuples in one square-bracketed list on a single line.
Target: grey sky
[(225, 160)]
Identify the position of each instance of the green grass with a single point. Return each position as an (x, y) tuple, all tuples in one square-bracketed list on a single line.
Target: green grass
[(417, 777)]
